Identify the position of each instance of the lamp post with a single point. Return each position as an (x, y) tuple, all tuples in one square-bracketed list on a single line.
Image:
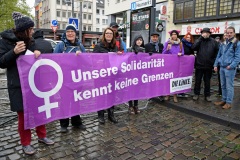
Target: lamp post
[(80, 22)]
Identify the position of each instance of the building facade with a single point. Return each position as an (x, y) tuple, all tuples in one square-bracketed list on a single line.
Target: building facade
[(180, 15), (93, 18)]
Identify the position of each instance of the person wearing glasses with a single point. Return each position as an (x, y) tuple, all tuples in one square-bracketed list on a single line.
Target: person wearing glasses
[(107, 44)]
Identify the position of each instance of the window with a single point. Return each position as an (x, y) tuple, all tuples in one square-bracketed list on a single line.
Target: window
[(89, 5), (188, 10), (98, 20), (236, 7), (85, 5), (98, 11), (89, 28), (199, 8), (63, 2), (64, 26), (58, 13), (89, 17), (106, 21), (58, 1), (98, 29), (179, 11), (63, 14), (103, 21), (102, 12), (84, 28), (103, 29), (84, 16), (211, 8), (225, 7), (117, 1), (69, 14), (75, 14)]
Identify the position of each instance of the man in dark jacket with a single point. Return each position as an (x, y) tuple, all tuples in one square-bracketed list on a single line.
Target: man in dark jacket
[(207, 49), (42, 45), (154, 46)]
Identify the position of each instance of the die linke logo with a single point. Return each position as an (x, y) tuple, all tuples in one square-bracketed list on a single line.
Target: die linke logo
[(47, 106)]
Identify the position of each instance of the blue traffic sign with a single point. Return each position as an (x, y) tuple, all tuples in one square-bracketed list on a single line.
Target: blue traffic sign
[(54, 22), (73, 21), (133, 5)]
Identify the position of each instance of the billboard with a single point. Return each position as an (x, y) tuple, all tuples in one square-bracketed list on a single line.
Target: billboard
[(140, 25)]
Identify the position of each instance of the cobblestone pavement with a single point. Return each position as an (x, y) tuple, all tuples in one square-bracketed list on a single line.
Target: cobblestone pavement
[(158, 132)]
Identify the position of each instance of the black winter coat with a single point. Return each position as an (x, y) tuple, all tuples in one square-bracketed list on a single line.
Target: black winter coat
[(42, 45), (8, 60), (207, 50), (151, 48), (100, 48), (187, 50)]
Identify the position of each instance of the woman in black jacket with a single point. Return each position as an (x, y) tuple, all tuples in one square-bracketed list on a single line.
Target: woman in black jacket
[(106, 45), (14, 43), (187, 42)]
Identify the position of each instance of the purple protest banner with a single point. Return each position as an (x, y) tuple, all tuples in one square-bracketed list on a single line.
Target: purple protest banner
[(57, 86)]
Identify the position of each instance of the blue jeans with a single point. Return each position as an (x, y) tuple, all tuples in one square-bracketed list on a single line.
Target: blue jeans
[(227, 79)]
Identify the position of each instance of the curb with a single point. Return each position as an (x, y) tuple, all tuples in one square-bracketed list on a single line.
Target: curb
[(203, 115)]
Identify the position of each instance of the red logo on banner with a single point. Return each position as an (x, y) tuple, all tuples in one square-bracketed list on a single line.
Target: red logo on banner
[(54, 28)]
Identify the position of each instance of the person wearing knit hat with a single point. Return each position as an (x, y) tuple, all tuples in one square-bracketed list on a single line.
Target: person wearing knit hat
[(173, 46), (70, 44), (14, 43), (22, 22)]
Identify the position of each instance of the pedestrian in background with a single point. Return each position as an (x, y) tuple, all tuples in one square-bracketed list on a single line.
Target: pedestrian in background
[(218, 40), (207, 49), (42, 45), (173, 46), (121, 45), (14, 43), (70, 44), (137, 46), (228, 59), (106, 45)]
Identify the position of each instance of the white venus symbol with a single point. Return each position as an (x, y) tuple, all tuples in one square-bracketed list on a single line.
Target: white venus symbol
[(46, 95)]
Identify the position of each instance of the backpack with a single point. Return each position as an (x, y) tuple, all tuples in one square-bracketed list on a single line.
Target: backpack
[(235, 45)]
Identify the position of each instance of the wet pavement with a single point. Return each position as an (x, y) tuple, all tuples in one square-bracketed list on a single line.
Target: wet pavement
[(163, 130)]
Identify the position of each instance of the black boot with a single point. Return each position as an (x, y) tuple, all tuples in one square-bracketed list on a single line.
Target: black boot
[(111, 115), (101, 119)]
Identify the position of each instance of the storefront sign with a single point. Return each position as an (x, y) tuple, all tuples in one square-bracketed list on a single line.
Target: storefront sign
[(215, 27)]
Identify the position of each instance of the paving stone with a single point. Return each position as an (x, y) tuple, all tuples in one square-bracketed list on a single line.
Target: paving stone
[(6, 152), (180, 157), (149, 151), (14, 156), (58, 155), (234, 155)]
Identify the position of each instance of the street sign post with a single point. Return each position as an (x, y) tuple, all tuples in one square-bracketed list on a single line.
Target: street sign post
[(73, 21)]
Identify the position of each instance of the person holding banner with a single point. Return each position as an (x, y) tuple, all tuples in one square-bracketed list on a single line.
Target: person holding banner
[(16, 42), (137, 46), (106, 45), (70, 44), (173, 46), (154, 46), (187, 42)]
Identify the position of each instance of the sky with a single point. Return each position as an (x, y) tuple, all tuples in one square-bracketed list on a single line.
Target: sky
[(31, 4)]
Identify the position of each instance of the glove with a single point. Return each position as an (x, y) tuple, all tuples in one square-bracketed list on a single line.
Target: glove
[(150, 53)]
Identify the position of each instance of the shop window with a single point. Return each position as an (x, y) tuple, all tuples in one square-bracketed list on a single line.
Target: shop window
[(179, 11), (211, 8), (225, 7), (199, 8)]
